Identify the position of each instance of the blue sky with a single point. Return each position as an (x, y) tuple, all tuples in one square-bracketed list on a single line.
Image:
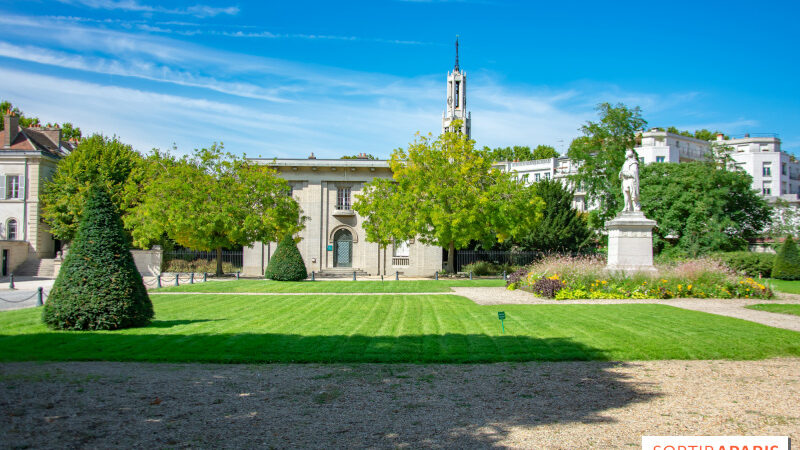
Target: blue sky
[(288, 78)]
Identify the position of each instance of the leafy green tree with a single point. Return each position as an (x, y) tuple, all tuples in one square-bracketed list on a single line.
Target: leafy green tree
[(544, 152), (385, 219), (98, 286), (287, 263), (517, 152), (449, 195), (68, 131), (785, 220), (787, 261), (367, 156), (212, 201), (97, 160), (601, 152), (562, 228), (701, 208)]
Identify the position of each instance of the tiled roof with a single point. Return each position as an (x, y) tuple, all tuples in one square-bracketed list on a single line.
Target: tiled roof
[(30, 139)]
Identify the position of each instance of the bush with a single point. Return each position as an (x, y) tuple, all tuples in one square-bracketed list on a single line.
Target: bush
[(98, 286), (748, 263), (287, 263), (482, 268), (548, 286), (787, 261), (198, 266)]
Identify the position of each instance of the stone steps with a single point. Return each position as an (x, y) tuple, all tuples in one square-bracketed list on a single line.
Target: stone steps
[(35, 267)]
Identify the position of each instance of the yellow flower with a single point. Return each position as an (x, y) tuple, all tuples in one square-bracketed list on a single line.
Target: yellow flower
[(689, 287), (680, 286), (663, 281), (604, 282)]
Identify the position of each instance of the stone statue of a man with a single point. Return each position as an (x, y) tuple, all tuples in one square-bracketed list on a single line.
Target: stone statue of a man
[(630, 182)]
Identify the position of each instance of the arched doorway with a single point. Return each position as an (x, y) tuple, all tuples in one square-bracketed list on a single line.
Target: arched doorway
[(343, 249)]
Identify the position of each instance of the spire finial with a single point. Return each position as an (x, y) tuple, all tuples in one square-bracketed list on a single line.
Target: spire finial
[(457, 53)]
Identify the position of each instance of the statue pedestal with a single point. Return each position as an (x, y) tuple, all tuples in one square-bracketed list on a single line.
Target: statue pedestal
[(630, 242)]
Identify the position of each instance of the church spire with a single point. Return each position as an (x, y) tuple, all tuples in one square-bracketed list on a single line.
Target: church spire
[(456, 54)]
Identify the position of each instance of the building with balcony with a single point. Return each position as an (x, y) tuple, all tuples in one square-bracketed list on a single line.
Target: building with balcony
[(547, 169)]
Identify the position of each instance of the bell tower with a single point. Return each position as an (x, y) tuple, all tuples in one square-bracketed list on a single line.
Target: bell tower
[(457, 101)]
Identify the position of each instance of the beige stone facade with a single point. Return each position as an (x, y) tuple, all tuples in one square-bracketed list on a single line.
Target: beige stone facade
[(333, 241)]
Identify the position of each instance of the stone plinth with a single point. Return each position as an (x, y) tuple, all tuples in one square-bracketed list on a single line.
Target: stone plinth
[(630, 242)]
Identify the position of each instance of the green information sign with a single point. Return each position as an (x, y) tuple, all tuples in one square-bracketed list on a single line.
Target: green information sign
[(502, 316), (330, 248)]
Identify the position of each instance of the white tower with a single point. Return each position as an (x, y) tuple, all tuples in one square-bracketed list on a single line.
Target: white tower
[(457, 101)]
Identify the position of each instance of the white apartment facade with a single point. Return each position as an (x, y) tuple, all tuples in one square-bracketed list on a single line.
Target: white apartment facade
[(546, 169)]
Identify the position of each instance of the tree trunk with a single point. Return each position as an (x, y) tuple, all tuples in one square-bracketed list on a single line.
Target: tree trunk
[(451, 258), (384, 260), (379, 259), (219, 262)]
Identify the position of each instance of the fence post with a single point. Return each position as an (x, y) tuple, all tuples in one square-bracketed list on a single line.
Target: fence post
[(312, 275), (158, 278), (12, 282), (237, 275), (436, 275), (470, 275), (381, 278), (396, 275), (177, 275), (204, 277), (354, 275), (505, 278), (40, 297), (191, 278)]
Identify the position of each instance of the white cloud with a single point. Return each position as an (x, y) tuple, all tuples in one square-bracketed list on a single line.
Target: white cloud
[(200, 11)]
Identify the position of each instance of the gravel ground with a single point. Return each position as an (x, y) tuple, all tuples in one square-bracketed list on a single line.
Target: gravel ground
[(724, 307), (530, 405)]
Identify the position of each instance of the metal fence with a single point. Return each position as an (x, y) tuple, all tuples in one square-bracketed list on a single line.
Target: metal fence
[(464, 257), (232, 257)]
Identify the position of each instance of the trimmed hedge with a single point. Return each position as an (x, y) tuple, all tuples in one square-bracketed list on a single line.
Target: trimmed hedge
[(287, 263), (787, 262), (98, 286), (751, 264)]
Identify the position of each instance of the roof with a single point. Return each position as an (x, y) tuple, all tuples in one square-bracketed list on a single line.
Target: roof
[(37, 140)]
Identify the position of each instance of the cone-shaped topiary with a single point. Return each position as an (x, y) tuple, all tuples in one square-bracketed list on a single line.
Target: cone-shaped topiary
[(287, 263), (787, 262), (98, 286)]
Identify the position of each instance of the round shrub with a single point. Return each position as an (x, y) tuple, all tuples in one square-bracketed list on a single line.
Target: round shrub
[(547, 287), (787, 261), (98, 286), (751, 264), (287, 263)]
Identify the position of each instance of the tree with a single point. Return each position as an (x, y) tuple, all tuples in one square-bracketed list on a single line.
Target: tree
[(367, 156), (68, 131), (544, 152), (517, 152), (98, 286), (701, 208), (600, 153), (212, 201), (448, 195), (787, 261), (385, 219), (785, 220), (562, 228), (287, 262), (97, 160)]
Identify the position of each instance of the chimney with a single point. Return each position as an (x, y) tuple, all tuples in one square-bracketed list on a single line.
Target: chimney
[(53, 134), (720, 136), (747, 135), (312, 156), (11, 124)]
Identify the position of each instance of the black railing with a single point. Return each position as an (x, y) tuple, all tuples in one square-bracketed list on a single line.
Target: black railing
[(464, 257)]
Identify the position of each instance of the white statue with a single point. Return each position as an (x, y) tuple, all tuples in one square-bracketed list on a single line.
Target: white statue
[(630, 182)]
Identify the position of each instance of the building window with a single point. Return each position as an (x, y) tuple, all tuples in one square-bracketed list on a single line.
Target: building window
[(765, 189), (547, 175), (12, 230), (659, 159), (455, 100), (401, 249), (536, 177), (525, 178), (12, 186), (783, 168), (766, 170), (343, 198)]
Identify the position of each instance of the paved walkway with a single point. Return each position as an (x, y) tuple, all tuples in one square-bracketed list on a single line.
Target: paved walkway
[(25, 292), (723, 307)]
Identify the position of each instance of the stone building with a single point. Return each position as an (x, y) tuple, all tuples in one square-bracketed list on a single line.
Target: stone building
[(333, 242), (28, 157)]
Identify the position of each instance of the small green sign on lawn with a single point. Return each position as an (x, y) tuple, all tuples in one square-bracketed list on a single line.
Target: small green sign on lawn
[(330, 247), (502, 316)]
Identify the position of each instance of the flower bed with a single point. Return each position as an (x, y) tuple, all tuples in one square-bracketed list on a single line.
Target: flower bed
[(567, 278)]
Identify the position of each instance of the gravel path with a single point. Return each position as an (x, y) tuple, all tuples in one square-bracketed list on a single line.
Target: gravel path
[(541, 405), (724, 307)]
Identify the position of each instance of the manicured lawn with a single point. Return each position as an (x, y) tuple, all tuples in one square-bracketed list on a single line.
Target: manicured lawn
[(366, 286), (396, 328), (790, 287), (777, 308)]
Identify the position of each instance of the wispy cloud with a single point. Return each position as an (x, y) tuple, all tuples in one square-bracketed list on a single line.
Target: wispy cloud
[(200, 11)]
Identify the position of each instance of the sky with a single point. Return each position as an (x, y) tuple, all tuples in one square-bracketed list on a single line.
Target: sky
[(288, 78)]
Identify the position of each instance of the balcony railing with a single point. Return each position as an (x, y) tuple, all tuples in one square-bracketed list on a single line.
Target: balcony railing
[(343, 210), (401, 261)]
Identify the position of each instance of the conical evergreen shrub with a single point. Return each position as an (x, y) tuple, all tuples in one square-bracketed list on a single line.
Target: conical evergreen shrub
[(787, 262), (287, 263), (98, 286)]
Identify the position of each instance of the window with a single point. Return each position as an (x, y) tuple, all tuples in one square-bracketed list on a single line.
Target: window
[(783, 168), (12, 230), (659, 159), (547, 175), (765, 188), (12, 186), (766, 170), (641, 160), (343, 198), (536, 177), (401, 249), (525, 178), (455, 100)]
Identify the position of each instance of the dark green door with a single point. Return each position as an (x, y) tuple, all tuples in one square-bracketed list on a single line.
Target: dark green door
[(342, 249)]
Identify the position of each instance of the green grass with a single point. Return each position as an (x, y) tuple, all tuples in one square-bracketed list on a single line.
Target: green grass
[(790, 287), (366, 286), (777, 308), (396, 328)]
